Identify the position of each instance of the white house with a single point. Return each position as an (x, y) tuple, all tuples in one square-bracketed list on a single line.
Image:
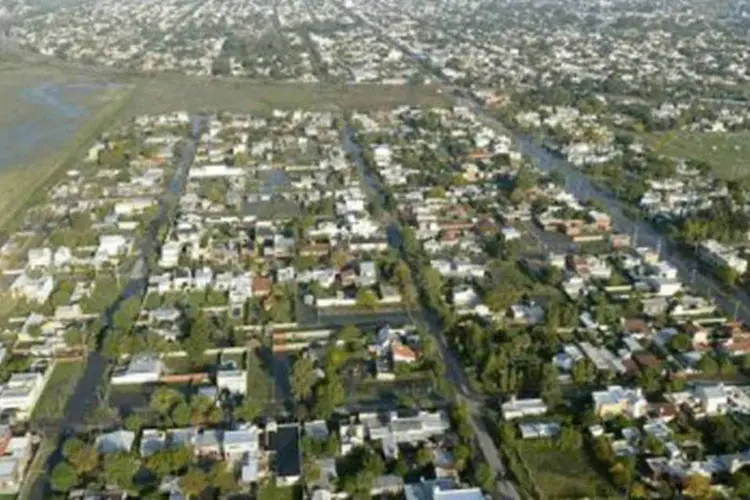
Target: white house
[(517, 408), (616, 400), (233, 381), (39, 258), (33, 289), (21, 393), (143, 368)]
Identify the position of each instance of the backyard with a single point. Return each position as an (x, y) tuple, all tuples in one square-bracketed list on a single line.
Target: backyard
[(563, 473)]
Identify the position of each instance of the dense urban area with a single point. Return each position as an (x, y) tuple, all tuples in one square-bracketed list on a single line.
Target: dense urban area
[(535, 285)]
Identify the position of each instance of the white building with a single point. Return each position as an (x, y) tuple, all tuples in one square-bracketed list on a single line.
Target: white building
[(518, 408), (215, 171), (616, 400), (33, 289), (233, 381), (39, 258), (21, 393), (719, 255), (143, 368)]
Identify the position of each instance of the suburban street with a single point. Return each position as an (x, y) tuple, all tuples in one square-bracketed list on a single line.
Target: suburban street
[(454, 370), (87, 394)]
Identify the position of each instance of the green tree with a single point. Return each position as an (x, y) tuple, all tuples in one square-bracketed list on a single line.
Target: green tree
[(134, 422), (164, 399), (249, 410), (621, 475), (485, 477), (303, 378), (64, 477), (550, 385), (708, 365), (194, 482), (222, 478), (181, 414), (366, 299), (119, 469), (424, 456), (328, 396), (351, 336), (198, 340), (653, 445), (85, 460), (680, 342)]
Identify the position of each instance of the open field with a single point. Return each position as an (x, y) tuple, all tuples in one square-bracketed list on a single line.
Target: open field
[(727, 153), (57, 133), (563, 474), (166, 93), (52, 402)]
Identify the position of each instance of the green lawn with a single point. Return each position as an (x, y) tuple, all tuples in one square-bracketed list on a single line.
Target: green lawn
[(563, 474), (727, 153), (259, 381), (62, 381)]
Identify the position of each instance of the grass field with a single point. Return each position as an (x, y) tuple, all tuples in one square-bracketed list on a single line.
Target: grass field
[(563, 474), (20, 184), (63, 379), (727, 153), (166, 93)]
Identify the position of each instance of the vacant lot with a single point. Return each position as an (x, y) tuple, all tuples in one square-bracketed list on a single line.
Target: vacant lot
[(164, 93), (63, 379), (563, 474), (727, 153)]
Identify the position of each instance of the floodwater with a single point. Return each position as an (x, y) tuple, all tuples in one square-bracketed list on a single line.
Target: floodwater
[(56, 112)]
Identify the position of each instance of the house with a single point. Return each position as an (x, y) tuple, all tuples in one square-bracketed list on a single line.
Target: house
[(39, 258), (510, 233), (616, 400), (115, 442), (518, 408), (402, 353), (262, 286), (62, 257), (440, 489), (465, 297), (36, 290), (143, 368), (405, 428), (536, 430), (207, 443), (112, 245), (713, 399), (239, 443), (152, 440), (317, 430), (368, 274), (15, 456), (232, 381), (21, 393), (170, 254)]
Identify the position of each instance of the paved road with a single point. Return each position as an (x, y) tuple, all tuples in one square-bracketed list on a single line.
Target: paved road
[(454, 370), (87, 395)]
